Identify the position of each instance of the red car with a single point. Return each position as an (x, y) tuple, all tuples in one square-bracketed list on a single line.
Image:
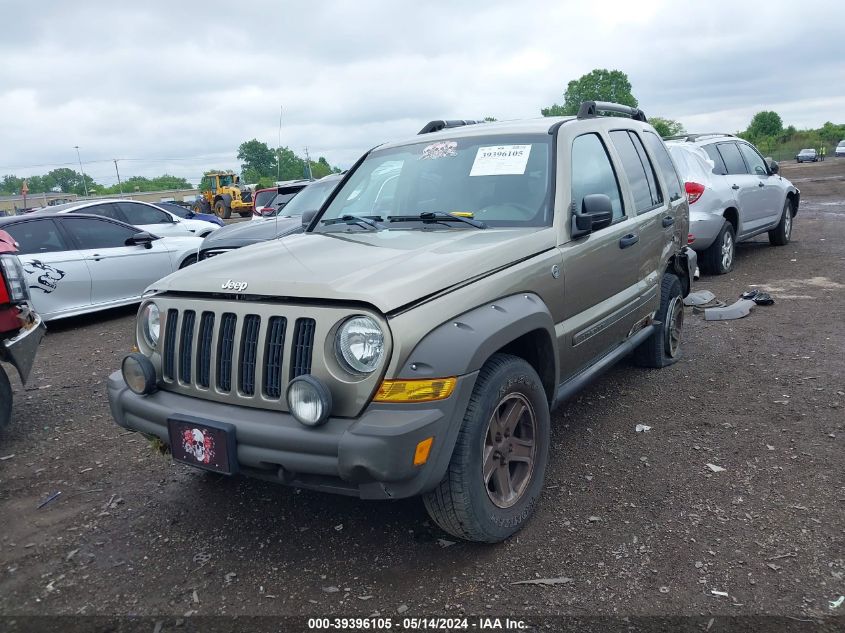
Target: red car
[(21, 329), (266, 203)]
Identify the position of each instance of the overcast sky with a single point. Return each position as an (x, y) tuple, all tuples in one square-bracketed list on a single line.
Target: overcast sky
[(191, 80)]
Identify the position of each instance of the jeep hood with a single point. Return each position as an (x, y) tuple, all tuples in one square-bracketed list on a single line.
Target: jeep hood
[(252, 231), (387, 269)]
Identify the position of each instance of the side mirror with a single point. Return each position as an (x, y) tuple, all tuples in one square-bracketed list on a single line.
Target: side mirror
[(596, 213), (773, 166), (307, 216), (142, 238)]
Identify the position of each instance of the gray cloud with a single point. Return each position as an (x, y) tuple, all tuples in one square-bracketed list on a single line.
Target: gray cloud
[(191, 80)]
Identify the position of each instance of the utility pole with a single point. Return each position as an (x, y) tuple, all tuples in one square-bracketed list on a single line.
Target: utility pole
[(119, 184), (308, 164), (279, 148), (84, 181)]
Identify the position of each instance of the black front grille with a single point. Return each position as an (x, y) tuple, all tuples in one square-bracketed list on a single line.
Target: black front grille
[(303, 347), (186, 343), (169, 359), (225, 349), (204, 343), (274, 354), (249, 354), (246, 356)]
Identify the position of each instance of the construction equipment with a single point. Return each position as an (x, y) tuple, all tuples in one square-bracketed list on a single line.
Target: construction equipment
[(221, 193)]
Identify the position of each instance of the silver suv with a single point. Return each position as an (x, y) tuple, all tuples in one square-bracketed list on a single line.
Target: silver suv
[(453, 290), (734, 194)]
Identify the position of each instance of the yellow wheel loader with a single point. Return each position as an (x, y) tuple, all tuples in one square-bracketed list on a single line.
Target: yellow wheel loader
[(221, 193)]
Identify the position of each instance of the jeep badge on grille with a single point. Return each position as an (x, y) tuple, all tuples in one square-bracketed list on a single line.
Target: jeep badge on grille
[(235, 285)]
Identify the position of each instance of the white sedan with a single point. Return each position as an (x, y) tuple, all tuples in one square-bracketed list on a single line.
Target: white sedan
[(145, 216), (76, 264)]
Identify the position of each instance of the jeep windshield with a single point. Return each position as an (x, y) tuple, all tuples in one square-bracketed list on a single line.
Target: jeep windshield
[(500, 181)]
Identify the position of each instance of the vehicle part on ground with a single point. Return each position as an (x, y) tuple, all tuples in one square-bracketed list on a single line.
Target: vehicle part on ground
[(699, 298), (736, 310)]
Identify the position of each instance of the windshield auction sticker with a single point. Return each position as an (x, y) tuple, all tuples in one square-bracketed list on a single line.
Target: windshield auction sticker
[(500, 160)]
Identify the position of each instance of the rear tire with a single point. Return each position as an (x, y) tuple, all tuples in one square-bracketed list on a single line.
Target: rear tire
[(495, 476), (222, 211), (718, 258), (663, 348), (5, 400), (779, 236)]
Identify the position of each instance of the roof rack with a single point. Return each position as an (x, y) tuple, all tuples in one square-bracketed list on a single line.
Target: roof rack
[(590, 109), (436, 126), (691, 138)]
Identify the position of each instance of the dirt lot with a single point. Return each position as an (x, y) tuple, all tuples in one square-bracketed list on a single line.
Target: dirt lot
[(637, 521)]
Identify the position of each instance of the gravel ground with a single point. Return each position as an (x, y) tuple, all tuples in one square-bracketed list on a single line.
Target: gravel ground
[(637, 522)]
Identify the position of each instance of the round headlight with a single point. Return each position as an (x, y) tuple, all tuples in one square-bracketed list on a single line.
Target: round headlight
[(309, 400), (151, 324), (360, 344), (139, 374)]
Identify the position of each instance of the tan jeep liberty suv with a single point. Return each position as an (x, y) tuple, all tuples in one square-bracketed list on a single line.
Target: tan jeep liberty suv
[(454, 289)]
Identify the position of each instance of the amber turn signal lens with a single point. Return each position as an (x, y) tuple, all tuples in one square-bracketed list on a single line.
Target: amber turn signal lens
[(415, 390), (423, 449)]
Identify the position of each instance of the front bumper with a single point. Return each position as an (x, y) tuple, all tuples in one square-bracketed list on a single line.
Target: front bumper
[(21, 350), (370, 456)]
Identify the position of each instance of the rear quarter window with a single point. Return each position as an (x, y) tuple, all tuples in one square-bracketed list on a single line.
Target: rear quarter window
[(665, 164)]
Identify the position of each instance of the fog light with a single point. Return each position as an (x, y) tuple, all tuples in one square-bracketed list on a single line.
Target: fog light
[(309, 400), (139, 374)]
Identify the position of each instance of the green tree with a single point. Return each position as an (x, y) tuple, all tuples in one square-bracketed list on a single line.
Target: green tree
[(598, 85), (666, 127), (257, 158), (11, 185), (766, 123)]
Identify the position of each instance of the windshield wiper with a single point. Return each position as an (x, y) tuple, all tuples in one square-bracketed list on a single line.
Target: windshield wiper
[(371, 221), (436, 216)]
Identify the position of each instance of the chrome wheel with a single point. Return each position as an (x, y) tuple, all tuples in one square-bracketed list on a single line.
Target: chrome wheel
[(727, 251), (509, 450), (675, 325)]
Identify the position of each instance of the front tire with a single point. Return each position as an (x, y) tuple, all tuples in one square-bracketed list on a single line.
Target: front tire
[(663, 347), (5, 400), (718, 258), (495, 476), (222, 211), (779, 236)]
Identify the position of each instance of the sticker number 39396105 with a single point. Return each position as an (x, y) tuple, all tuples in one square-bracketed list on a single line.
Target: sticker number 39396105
[(500, 160)]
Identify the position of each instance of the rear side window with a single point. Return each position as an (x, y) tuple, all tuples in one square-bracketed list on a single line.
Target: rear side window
[(37, 236), (639, 170), (665, 164), (716, 157), (106, 209), (592, 172), (755, 162), (93, 233), (732, 157), (143, 214), (263, 198)]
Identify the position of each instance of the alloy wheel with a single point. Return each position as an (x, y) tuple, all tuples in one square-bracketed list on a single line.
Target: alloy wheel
[(509, 450), (727, 251), (675, 317)]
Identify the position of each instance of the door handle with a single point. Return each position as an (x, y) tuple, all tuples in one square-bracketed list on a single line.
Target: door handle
[(629, 240), (96, 257), (668, 221), (735, 187)]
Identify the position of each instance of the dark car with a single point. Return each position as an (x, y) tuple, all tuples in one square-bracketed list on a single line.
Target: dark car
[(266, 203), (286, 222), (186, 213)]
